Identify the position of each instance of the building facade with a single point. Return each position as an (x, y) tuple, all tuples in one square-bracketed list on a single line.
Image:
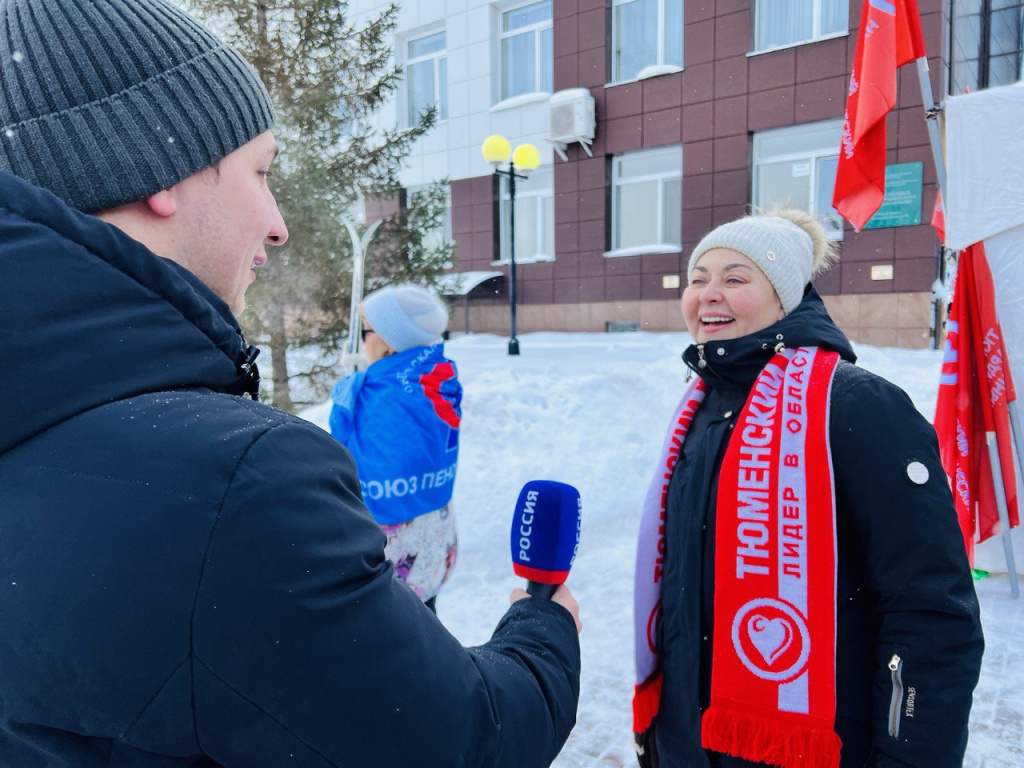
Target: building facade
[(702, 109)]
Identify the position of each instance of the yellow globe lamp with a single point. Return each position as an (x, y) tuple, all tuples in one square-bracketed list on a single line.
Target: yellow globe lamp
[(526, 158), (496, 149)]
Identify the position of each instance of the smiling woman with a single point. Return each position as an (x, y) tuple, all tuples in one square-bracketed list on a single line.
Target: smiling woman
[(764, 553), (728, 297), (737, 285)]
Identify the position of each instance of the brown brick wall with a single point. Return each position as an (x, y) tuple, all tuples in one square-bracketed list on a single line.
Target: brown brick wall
[(884, 320), (711, 109)]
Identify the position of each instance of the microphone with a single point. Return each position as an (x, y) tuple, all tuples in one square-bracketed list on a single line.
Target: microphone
[(545, 534)]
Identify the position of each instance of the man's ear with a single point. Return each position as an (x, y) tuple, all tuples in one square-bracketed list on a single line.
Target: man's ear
[(163, 203)]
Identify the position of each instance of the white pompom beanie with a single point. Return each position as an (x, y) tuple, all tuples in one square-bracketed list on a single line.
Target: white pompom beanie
[(780, 248), (406, 316)]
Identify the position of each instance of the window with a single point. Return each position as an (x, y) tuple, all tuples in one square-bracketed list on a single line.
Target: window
[(622, 326), (987, 44), (527, 55), (647, 200), (426, 68), (796, 168), (779, 23), (645, 33), (535, 218)]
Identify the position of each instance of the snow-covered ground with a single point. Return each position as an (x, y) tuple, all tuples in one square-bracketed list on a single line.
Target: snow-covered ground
[(591, 410)]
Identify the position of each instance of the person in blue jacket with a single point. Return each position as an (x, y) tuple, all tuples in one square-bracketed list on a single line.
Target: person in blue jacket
[(189, 577), (400, 421)]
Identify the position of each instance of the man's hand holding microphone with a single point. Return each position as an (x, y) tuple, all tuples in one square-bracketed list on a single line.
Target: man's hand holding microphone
[(544, 538)]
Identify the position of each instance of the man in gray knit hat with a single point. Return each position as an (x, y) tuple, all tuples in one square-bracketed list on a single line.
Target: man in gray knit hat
[(166, 136), (190, 577)]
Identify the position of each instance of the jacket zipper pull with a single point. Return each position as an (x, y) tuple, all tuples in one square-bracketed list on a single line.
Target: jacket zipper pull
[(252, 371), (701, 362), (896, 704)]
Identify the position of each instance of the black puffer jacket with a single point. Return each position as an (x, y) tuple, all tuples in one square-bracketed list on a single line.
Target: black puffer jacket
[(189, 578), (903, 583)]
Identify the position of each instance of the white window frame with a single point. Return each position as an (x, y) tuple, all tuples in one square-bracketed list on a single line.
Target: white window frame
[(658, 245), (812, 156), (659, 67), (537, 198), (538, 60), (816, 33), (440, 75)]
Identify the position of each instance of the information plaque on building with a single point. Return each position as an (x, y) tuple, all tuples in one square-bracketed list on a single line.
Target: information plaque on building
[(902, 204)]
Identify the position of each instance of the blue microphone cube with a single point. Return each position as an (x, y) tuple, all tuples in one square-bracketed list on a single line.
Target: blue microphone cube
[(546, 531)]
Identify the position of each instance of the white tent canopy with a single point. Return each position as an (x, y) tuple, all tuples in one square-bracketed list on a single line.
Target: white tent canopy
[(985, 164), (984, 201)]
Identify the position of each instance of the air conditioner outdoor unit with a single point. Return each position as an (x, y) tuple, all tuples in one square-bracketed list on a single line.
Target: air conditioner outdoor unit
[(572, 119)]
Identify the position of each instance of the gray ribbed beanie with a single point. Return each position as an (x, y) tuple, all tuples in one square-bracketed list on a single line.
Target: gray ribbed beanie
[(784, 251), (105, 102)]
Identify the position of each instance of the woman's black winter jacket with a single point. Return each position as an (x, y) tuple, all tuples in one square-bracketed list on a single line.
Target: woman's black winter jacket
[(904, 587)]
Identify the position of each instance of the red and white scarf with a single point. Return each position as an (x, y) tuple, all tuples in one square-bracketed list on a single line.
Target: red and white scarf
[(773, 693)]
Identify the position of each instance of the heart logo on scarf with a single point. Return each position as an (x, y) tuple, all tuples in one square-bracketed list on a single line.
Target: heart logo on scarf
[(771, 637)]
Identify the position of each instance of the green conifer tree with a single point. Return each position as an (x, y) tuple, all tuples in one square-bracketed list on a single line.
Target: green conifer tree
[(327, 76)]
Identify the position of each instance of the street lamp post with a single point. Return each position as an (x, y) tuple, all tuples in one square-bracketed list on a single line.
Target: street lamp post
[(496, 150)]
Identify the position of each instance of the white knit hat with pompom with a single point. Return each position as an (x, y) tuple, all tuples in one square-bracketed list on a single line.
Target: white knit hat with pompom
[(781, 249)]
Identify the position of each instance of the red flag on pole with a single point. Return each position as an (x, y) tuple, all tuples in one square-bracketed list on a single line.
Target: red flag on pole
[(960, 442), (939, 218), (974, 391), (994, 376), (890, 36)]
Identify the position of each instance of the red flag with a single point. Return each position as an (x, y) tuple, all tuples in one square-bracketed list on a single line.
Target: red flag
[(974, 390), (890, 36), (996, 384), (960, 442), (939, 218)]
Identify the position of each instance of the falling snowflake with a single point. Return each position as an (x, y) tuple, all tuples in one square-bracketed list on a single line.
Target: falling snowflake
[(18, 56)]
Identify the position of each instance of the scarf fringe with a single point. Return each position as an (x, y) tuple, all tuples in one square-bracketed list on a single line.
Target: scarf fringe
[(646, 698), (754, 737)]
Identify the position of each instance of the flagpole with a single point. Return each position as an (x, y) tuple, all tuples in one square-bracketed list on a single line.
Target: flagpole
[(1018, 439), (931, 114), (1004, 517)]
